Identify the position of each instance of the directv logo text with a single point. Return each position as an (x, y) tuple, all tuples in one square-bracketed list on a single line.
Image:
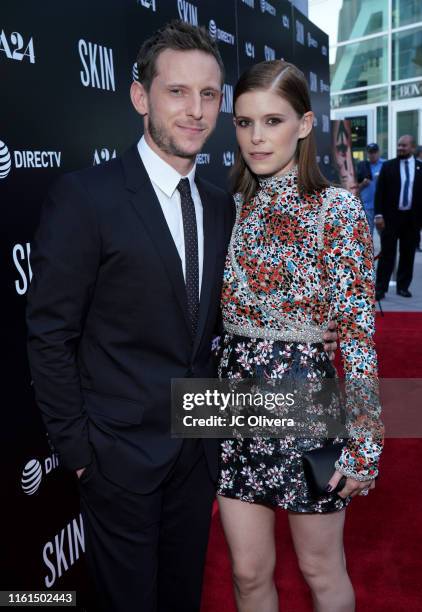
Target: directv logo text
[(27, 159)]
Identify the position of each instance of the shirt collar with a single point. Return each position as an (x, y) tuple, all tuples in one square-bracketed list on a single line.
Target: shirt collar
[(164, 176)]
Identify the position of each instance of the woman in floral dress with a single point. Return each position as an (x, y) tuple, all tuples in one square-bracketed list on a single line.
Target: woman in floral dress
[(300, 254)]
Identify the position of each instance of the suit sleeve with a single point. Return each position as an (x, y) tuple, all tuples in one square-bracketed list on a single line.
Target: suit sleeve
[(65, 258), (380, 192)]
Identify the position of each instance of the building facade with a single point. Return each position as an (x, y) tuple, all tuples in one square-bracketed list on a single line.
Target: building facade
[(376, 68)]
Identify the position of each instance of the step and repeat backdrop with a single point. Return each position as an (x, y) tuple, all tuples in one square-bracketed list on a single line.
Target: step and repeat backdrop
[(65, 73)]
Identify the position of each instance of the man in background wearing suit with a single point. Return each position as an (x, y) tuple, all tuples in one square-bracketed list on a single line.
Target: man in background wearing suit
[(128, 264), (398, 215)]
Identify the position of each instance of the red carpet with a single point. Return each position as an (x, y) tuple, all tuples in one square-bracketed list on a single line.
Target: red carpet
[(383, 536)]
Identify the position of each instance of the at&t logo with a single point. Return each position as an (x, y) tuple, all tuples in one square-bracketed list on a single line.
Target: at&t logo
[(325, 124), (98, 66), (187, 12), (324, 50), (17, 49), (313, 81), (217, 34), (135, 72), (5, 160), (250, 3), (286, 22), (149, 4), (266, 7), (31, 477), (249, 49), (103, 155), (228, 158), (269, 53), (32, 473)]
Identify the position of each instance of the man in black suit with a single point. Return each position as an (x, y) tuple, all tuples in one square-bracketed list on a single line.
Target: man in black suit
[(398, 215), (128, 264)]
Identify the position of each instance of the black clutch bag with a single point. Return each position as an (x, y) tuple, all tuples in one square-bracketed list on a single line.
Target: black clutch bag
[(318, 465)]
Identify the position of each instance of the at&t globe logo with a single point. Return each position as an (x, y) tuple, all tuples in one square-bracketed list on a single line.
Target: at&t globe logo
[(212, 27), (5, 160), (31, 477)]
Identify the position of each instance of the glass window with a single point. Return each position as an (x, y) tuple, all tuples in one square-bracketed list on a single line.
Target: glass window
[(407, 54), (358, 18), (368, 96), (408, 123), (406, 12), (360, 64), (382, 130)]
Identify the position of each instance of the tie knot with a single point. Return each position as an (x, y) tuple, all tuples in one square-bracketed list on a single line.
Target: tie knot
[(184, 187)]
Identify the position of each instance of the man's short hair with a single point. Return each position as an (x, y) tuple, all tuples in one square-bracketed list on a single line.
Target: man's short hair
[(179, 36)]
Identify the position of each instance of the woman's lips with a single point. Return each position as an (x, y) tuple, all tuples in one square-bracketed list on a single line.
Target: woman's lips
[(260, 155)]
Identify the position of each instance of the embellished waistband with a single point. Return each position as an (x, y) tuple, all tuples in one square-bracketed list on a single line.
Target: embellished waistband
[(304, 333)]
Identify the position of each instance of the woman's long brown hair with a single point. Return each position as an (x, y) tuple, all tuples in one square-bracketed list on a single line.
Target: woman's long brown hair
[(289, 83)]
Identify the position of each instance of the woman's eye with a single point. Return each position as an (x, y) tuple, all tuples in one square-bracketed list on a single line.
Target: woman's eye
[(273, 121), (242, 123)]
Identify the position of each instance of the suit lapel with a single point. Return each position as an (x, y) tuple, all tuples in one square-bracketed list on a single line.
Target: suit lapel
[(148, 209), (208, 270)]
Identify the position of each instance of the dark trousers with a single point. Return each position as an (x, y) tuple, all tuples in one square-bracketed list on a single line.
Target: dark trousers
[(403, 229), (146, 553)]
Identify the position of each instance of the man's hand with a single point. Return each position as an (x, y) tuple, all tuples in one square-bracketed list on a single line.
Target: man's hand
[(379, 223), (364, 183), (80, 472), (330, 339)]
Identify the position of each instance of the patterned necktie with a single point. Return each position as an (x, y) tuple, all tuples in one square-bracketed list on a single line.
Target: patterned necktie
[(405, 202), (191, 252)]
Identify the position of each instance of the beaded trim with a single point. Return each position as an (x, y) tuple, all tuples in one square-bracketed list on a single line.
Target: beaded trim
[(348, 471), (305, 334)]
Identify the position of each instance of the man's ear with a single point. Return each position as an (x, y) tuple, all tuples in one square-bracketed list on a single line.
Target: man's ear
[(139, 98), (306, 124)]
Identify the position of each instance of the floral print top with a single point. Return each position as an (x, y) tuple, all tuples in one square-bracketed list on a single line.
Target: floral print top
[(294, 263)]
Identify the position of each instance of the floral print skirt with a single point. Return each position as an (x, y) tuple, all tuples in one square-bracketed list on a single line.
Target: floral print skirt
[(269, 470)]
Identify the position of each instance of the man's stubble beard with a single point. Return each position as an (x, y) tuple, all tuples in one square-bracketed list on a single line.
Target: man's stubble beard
[(165, 141)]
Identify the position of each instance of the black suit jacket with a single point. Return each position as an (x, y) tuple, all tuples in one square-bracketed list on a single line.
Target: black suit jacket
[(108, 323), (387, 194)]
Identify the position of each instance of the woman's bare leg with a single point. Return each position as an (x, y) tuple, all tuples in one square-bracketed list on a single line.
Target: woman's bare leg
[(318, 541), (249, 530)]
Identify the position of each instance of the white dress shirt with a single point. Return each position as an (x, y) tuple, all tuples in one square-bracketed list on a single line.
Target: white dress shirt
[(411, 161), (164, 179)]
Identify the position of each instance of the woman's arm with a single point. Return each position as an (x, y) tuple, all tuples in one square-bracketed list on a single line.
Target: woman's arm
[(348, 258)]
